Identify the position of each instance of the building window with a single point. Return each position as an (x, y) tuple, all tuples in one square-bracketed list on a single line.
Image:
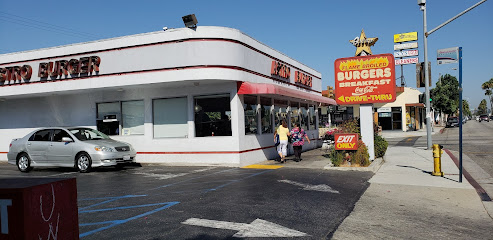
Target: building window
[(212, 115), (313, 117), (250, 108), (108, 118), (128, 116), (295, 114), (133, 117), (280, 112), (170, 117), (304, 117), (266, 115)]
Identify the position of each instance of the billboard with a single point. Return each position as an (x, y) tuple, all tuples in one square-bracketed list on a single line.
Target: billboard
[(365, 79), (405, 37), (405, 46), (448, 55)]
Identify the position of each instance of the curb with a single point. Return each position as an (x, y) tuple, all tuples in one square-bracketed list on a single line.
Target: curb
[(374, 167), (481, 192)]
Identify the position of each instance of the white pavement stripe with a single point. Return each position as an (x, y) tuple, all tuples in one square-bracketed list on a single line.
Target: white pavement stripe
[(258, 228), (171, 175), (308, 187)]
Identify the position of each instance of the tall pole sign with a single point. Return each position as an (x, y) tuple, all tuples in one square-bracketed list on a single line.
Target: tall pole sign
[(365, 79)]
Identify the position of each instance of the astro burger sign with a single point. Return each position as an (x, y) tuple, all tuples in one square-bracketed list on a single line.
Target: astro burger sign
[(365, 79)]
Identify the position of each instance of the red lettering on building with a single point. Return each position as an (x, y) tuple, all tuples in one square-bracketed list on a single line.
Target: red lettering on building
[(303, 78), (84, 65), (280, 70), (15, 73)]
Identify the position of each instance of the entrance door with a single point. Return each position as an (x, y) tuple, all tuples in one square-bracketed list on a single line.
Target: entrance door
[(385, 120)]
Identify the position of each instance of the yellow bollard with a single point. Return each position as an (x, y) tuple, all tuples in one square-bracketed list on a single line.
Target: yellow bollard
[(437, 159)]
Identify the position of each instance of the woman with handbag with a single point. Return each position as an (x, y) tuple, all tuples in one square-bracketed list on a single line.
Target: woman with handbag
[(298, 135), (283, 133)]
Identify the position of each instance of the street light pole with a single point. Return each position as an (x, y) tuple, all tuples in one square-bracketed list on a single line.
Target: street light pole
[(422, 4)]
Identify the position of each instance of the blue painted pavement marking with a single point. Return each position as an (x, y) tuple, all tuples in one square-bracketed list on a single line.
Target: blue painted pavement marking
[(118, 222), (111, 199)]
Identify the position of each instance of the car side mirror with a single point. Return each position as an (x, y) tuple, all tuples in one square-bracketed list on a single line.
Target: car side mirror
[(67, 139)]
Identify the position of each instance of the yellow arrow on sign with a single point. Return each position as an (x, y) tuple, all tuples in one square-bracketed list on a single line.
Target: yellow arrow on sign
[(341, 98)]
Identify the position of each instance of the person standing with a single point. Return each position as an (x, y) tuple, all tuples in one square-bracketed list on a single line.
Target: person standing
[(298, 136), (283, 133)]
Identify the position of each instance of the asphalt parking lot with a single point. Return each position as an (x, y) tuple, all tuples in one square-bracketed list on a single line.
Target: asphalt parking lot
[(163, 202)]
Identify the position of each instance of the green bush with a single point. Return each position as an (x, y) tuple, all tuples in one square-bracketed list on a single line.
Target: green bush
[(380, 146), (349, 126), (337, 157), (361, 156)]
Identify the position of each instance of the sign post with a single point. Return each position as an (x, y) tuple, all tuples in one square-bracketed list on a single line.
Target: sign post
[(454, 55), (365, 80)]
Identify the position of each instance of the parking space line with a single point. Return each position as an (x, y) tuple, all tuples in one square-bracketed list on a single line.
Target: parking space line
[(110, 199), (115, 223)]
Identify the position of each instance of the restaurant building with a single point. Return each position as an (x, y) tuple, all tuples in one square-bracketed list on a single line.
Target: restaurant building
[(188, 96)]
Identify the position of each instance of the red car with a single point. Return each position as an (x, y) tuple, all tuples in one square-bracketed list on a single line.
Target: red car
[(484, 117)]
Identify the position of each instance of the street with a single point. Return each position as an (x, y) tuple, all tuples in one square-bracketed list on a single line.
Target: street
[(163, 202)]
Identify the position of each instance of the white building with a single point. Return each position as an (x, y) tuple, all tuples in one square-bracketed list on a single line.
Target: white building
[(182, 96)]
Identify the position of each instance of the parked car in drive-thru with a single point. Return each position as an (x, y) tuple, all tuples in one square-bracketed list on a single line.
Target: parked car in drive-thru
[(79, 147), (452, 122), (484, 117)]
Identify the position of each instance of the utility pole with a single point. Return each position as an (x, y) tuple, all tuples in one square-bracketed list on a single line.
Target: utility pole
[(422, 7)]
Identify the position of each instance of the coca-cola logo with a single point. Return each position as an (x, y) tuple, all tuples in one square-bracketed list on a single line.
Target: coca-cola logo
[(360, 91)]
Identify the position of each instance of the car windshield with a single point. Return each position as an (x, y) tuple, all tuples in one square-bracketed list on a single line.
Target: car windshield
[(84, 134), (452, 120)]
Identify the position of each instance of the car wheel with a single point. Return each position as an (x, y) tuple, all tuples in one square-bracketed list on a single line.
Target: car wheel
[(83, 162), (24, 163)]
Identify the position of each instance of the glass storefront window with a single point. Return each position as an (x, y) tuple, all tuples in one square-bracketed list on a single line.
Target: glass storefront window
[(250, 108), (280, 112), (133, 117), (108, 118), (266, 115), (312, 117), (212, 115), (170, 117), (295, 114), (304, 117), (126, 116)]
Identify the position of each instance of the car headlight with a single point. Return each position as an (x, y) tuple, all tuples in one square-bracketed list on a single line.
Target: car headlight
[(103, 149)]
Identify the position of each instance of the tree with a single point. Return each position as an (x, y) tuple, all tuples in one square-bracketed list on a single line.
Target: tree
[(488, 87), (465, 108), (445, 96), (482, 108)]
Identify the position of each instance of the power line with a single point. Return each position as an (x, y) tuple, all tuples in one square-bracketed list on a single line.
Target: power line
[(45, 26)]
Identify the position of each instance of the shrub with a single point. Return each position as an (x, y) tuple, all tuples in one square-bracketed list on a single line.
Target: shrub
[(337, 157), (380, 146), (349, 126), (361, 156)]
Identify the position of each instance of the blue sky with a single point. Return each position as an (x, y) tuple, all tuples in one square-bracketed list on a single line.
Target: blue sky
[(312, 32)]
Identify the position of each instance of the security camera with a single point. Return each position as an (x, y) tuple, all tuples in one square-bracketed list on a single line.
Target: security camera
[(165, 28)]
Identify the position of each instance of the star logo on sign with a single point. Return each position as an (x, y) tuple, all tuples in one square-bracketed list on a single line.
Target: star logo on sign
[(363, 44)]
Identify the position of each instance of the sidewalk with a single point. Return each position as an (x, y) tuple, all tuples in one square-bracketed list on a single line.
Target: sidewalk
[(404, 201)]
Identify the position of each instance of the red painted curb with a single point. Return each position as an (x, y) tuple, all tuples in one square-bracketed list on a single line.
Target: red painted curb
[(481, 192)]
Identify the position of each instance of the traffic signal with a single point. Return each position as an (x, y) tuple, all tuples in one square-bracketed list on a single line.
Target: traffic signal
[(422, 98)]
